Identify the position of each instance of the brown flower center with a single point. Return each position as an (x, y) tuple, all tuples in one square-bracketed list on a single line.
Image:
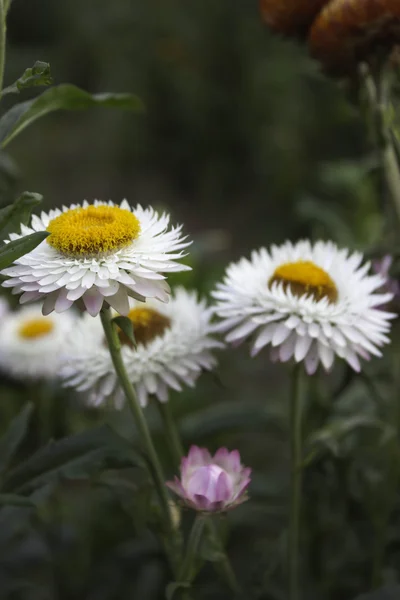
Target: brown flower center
[(147, 325), (304, 277)]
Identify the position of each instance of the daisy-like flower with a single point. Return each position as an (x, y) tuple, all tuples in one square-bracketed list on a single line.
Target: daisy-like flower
[(173, 346), (211, 483), (32, 345), (95, 254), (307, 301)]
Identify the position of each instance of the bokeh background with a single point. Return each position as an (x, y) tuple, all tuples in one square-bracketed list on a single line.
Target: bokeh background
[(246, 142)]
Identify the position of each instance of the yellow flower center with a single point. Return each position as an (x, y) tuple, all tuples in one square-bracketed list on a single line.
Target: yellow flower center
[(36, 328), (147, 325), (303, 277), (88, 232)]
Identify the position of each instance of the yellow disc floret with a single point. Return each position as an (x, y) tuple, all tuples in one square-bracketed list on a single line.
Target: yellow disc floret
[(36, 328), (303, 277), (147, 325), (93, 231)]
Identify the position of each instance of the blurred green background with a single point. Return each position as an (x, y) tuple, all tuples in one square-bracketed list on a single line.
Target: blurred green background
[(247, 143)]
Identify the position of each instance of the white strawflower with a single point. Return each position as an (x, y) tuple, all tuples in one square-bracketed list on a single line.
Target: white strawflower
[(31, 345), (97, 253), (307, 301), (173, 346)]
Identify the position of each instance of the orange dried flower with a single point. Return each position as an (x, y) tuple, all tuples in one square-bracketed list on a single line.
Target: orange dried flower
[(290, 17), (348, 31)]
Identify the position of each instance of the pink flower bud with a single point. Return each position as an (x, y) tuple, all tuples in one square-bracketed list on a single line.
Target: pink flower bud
[(212, 484)]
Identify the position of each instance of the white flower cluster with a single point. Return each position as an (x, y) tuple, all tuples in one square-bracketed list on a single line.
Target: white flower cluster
[(308, 302)]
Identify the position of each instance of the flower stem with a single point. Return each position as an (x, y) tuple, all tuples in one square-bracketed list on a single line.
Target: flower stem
[(378, 92), (186, 570), (225, 564), (4, 4), (114, 345), (296, 480), (176, 447)]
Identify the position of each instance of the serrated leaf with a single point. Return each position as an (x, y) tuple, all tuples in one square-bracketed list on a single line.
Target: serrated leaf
[(15, 500), (78, 456), (17, 248), (126, 326), (19, 212), (61, 97), (38, 75), (12, 438), (175, 586)]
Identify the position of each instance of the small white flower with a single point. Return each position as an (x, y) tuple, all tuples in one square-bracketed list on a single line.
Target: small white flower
[(31, 345), (97, 253), (307, 301), (173, 346)]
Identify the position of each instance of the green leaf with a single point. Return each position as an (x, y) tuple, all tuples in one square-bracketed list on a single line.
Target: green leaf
[(134, 497), (19, 212), (78, 456), (126, 325), (61, 97), (228, 416), (11, 440), (210, 549), (173, 587), (17, 248), (15, 500), (37, 75), (330, 436)]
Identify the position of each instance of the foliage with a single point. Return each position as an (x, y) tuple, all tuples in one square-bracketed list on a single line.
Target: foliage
[(247, 142)]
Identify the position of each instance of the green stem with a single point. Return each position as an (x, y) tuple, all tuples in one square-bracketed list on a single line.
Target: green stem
[(225, 564), (141, 424), (176, 447), (3, 33), (378, 92), (296, 480), (186, 571)]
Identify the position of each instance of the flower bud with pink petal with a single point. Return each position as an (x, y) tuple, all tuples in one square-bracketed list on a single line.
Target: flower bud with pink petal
[(212, 483)]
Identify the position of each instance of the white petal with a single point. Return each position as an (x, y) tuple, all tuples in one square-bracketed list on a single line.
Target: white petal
[(311, 361), (93, 301), (280, 334), (242, 331), (302, 347), (326, 355), (263, 338), (120, 301)]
